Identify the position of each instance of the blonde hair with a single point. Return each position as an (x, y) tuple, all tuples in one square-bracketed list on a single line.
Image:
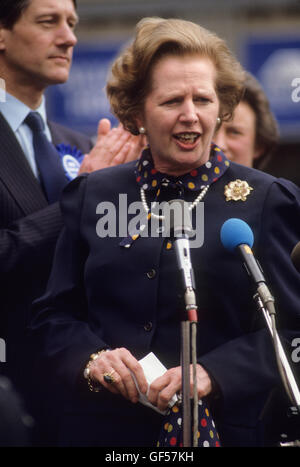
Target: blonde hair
[(130, 79)]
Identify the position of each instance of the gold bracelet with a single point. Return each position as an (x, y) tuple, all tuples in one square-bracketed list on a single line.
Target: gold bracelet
[(93, 385)]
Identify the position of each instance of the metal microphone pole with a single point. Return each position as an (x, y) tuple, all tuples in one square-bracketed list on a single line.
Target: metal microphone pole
[(187, 325), (182, 228), (287, 376)]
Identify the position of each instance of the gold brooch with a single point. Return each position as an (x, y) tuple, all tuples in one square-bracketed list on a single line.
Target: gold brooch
[(237, 190)]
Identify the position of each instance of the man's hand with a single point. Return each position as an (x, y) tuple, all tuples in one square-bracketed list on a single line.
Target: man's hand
[(113, 147)]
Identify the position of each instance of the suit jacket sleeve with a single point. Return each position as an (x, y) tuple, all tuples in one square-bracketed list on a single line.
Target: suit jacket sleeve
[(29, 239), (65, 297)]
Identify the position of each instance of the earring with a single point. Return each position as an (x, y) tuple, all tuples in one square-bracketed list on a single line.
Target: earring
[(218, 121), (142, 130)]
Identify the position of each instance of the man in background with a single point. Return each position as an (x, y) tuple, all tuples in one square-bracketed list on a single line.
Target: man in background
[(37, 38)]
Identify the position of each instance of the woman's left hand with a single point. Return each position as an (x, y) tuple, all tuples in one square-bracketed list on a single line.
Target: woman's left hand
[(163, 388)]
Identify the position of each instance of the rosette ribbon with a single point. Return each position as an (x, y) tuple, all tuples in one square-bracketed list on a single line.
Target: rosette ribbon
[(71, 159)]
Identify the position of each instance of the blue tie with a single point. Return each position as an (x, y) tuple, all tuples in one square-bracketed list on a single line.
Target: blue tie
[(51, 172)]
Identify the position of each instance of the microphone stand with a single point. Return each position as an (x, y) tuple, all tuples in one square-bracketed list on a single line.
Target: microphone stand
[(285, 371), (188, 347), (182, 228)]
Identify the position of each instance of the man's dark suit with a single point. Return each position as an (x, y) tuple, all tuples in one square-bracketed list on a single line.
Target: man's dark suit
[(28, 231)]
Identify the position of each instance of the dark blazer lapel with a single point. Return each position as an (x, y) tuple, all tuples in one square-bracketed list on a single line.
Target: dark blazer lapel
[(61, 134), (16, 174)]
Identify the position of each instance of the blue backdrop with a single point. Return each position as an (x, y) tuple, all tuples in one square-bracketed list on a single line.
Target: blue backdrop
[(275, 61)]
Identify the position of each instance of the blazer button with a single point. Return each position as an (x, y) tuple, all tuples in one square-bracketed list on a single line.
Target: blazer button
[(151, 274), (148, 326)]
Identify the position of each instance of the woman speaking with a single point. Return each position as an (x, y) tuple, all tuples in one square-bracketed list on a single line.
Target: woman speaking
[(112, 299)]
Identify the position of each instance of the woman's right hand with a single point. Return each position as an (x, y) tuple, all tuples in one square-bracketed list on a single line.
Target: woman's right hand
[(122, 365)]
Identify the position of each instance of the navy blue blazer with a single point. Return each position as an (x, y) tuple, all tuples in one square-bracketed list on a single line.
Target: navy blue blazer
[(103, 295)]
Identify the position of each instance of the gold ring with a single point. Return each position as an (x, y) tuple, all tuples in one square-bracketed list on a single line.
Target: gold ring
[(109, 378)]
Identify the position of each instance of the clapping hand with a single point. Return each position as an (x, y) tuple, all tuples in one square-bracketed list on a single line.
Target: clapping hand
[(113, 146)]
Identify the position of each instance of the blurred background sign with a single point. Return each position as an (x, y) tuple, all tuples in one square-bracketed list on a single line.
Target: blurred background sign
[(81, 102), (263, 34), (275, 62)]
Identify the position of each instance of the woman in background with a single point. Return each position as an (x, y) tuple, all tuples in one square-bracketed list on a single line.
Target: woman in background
[(252, 135)]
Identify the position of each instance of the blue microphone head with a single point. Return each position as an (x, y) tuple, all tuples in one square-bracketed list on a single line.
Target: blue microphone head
[(235, 232)]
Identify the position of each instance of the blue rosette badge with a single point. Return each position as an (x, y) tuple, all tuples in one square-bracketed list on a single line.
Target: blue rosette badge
[(71, 159)]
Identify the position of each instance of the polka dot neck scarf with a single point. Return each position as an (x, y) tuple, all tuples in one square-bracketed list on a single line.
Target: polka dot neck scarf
[(171, 433), (150, 179)]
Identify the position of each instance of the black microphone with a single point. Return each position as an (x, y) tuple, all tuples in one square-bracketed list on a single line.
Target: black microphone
[(236, 235), (181, 227), (295, 256)]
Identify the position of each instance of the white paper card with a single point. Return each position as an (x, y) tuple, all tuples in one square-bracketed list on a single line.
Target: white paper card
[(153, 368)]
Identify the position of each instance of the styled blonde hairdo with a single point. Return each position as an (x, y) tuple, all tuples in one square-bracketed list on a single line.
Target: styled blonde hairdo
[(130, 80)]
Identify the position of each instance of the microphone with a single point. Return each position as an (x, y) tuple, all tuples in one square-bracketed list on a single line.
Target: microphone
[(180, 218), (181, 226), (236, 235), (295, 256)]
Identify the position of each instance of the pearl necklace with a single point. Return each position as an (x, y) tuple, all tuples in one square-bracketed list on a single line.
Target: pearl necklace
[(191, 206)]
